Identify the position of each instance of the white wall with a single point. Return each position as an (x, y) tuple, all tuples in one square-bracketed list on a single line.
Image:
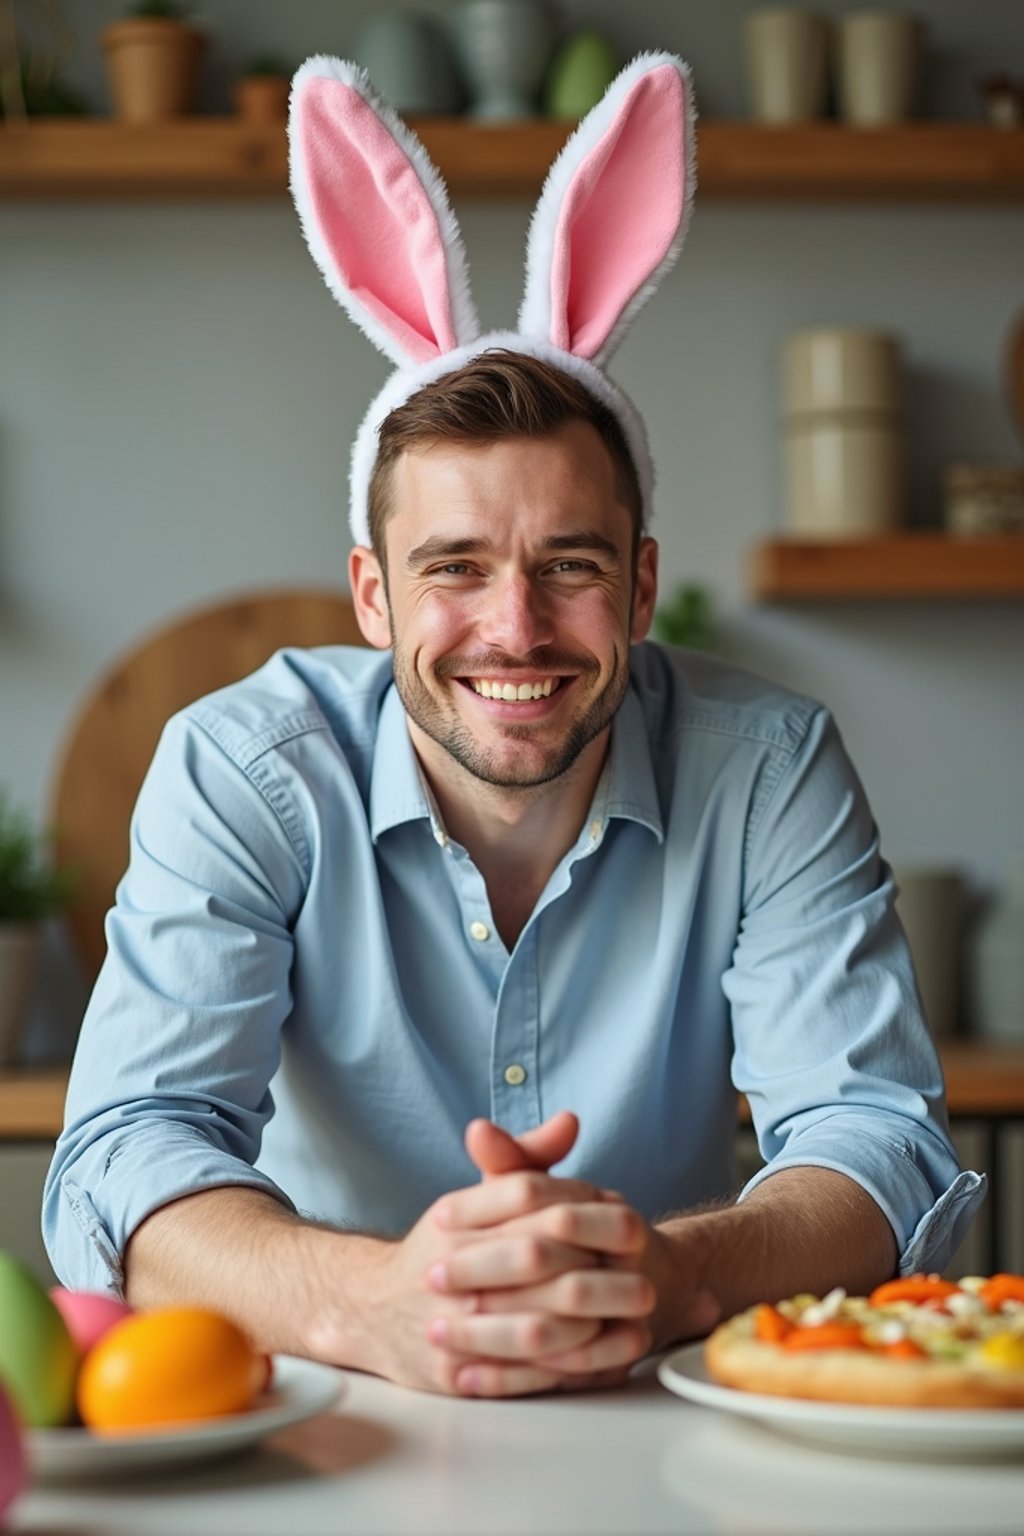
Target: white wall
[(178, 392)]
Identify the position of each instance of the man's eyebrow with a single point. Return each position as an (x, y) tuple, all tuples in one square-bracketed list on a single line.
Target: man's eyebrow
[(438, 547), (584, 539)]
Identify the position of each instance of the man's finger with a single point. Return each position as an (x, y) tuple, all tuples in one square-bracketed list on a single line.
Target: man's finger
[(503, 1262), (521, 1336), (495, 1152), (515, 1194), (602, 1293), (620, 1344)]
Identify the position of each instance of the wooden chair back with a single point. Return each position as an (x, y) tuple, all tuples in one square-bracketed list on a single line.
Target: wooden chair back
[(112, 740)]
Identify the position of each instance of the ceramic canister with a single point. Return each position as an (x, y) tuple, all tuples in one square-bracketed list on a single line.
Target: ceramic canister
[(932, 905), (844, 440), (786, 57), (996, 963), (877, 66)]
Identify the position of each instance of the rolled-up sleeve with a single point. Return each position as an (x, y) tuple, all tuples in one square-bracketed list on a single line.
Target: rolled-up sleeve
[(830, 1043), (169, 1091)]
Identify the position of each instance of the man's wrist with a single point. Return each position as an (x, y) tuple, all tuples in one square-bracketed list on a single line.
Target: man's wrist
[(341, 1325)]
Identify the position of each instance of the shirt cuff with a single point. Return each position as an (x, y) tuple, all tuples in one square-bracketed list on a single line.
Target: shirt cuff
[(148, 1171), (926, 1242)]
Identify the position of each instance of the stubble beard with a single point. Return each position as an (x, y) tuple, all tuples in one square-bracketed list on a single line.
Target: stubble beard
[(455, 738)]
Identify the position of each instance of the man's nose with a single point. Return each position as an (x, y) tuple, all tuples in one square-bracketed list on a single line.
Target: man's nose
[(515, 616)]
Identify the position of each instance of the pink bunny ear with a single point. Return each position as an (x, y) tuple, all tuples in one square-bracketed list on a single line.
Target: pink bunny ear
[(376, 216), (613, 212)]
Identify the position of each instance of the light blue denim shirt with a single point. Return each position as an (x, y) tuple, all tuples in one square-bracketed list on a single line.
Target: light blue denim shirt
[(305, 991)]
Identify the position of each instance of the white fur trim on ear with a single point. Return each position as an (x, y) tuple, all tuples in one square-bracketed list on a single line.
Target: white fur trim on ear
[(535, 312), (465, 321), (403, 385)]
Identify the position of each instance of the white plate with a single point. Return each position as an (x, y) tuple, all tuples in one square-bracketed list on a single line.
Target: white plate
[(300, 1389), (938, 1432)]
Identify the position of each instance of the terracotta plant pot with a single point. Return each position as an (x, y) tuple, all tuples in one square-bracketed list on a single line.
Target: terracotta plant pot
[(153, 66), (262, 98)]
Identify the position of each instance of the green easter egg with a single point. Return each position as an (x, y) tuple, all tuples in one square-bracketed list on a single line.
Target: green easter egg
[(38, 1361), (580, 73)]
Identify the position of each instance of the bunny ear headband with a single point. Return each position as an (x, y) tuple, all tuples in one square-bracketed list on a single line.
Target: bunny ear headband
[(608, 226)]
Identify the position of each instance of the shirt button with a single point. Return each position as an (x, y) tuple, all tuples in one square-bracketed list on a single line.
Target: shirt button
[(595, 830), (479, 931), (441, 838), (515, 1074)]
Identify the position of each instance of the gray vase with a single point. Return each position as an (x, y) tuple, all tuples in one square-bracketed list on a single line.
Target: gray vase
[(503, 48), (409, 58)]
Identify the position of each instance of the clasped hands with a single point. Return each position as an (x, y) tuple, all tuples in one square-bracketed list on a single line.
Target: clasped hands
[(523, 1283)]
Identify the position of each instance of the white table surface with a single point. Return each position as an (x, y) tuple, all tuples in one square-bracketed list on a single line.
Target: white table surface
[(637, 1460)]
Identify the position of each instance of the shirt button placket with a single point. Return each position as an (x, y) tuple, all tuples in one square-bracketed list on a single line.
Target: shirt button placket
[(515, 1095)]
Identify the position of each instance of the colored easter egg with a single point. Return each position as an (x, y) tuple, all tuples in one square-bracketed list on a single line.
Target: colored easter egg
[(169, 1366), (88, 1314), (38, 1358), (13, 1462), (580, 73)]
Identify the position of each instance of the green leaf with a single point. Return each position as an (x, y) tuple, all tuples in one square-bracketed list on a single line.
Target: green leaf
[(687, 619), (31, 888)]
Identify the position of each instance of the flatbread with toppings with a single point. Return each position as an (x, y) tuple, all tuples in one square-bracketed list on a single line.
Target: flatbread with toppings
[(917, 1342)]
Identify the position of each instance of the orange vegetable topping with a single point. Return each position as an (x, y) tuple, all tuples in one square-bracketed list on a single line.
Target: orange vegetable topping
[(1002, 1288), (826, 1336), (903, 1349), (911, 1288), (770, 1326)]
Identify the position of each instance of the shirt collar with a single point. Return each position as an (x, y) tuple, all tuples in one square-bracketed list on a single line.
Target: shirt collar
[(627, 789), (398, 792)]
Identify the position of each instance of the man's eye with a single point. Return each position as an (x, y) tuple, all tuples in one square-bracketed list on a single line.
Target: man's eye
[(453, 568), (571, 567)]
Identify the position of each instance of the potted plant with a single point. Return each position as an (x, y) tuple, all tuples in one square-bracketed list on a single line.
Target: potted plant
[(261, 94), (31, 84), (687, 619), (31, 889), (153, 62)]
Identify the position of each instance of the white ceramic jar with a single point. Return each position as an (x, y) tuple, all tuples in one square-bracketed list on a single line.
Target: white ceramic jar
[(844, 436)]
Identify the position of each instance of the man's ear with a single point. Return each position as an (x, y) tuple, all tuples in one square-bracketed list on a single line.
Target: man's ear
[(369, 597), (645, 591)]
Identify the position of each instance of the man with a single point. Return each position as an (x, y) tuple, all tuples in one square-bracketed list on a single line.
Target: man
[(517, 876)]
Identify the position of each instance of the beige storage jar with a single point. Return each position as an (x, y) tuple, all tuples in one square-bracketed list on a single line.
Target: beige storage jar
[(844, 438)]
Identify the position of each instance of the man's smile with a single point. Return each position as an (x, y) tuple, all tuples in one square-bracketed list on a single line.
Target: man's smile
[(510, 691)]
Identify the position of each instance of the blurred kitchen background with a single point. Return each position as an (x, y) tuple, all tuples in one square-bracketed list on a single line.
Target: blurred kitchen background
[(178, 393)]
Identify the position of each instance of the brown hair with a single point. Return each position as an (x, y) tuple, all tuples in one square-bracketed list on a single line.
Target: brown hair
[(499, 394)]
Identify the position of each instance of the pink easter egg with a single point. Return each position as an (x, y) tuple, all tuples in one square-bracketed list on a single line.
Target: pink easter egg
[(88, 1315), (13, 1461)]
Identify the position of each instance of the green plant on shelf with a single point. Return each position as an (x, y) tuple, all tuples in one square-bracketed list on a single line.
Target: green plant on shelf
[(30, 64), (31, 887), (687, 618)]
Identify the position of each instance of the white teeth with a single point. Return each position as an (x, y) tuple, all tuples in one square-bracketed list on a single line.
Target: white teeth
[(511, 692)]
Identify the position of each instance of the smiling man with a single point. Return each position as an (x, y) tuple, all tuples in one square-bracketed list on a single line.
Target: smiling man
[(513, 890)]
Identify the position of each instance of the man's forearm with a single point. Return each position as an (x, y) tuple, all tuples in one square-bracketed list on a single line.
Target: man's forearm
[(804, 1229), (295, 1287)]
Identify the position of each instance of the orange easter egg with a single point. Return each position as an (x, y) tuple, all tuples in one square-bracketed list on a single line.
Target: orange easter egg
[(169, 1366)]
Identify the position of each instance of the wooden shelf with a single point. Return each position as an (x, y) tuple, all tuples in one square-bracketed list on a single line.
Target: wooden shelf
[(224, 158), (983, 1080), (907, 565)]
